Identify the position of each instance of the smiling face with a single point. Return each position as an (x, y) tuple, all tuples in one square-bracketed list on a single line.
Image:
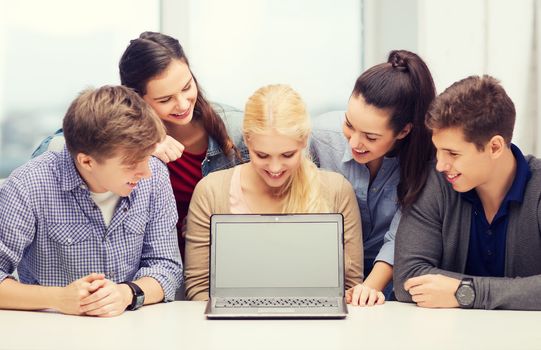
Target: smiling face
[(274, 157), (462, 164), (112, 174), (368, 131), (172, 94)]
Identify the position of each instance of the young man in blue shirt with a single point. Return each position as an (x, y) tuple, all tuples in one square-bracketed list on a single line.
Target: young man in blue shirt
[(91, 229), (473, 238)]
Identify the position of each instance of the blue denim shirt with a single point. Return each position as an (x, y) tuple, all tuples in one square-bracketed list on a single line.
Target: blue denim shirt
[(215, 158), (378, 202), (52, 232)]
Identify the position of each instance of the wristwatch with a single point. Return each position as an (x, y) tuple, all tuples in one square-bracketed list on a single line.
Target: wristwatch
[(138, 298), (465, 293)]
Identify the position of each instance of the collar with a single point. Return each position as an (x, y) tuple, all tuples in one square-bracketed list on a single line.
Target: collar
[(347, 156), (518, 187), (522, 176), (213, 147), (69, 177)]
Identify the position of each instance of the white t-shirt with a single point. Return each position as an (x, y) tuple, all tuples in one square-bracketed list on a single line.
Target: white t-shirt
[(107, 202)]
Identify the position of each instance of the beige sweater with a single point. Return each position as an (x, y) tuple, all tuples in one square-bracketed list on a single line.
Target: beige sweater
[(211, 196)]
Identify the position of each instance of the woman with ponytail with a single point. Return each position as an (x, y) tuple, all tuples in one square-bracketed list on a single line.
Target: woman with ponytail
[(381, 145), (279, 178)]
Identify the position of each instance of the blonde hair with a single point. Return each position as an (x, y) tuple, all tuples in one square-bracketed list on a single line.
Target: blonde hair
[(281, 108)]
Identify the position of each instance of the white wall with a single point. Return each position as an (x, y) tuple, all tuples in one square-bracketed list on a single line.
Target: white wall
[(464, 37), (495, 37), (388, 25), (2, 62), (237, 46), (49, 52)]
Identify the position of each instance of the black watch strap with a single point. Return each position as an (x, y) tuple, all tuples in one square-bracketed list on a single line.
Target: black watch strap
[(138, 298)]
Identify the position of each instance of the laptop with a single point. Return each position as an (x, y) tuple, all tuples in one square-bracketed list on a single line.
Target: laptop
[(276, 266)]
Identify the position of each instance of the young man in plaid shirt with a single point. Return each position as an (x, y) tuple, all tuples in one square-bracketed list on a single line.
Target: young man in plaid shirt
[(91, 229)]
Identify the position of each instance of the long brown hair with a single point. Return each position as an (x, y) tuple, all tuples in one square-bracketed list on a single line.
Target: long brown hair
[(404, 85), (148, 56)]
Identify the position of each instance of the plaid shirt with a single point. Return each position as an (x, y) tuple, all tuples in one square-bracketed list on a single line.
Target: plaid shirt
[(53, 233)]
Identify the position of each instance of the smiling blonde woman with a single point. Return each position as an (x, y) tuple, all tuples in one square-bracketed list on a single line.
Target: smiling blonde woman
[(280, 178)]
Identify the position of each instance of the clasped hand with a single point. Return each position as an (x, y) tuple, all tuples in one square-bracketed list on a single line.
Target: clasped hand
[(94, 295)]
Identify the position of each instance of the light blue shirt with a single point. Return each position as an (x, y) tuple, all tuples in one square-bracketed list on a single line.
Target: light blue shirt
[(377, 201), (53, 233)]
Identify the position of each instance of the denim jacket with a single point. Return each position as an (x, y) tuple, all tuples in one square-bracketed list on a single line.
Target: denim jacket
[(377, 200), (215, 158)]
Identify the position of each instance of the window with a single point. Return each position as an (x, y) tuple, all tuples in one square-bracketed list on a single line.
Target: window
[(237, 46), (49, 52)]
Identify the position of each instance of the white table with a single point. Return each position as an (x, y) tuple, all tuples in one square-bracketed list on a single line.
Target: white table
[(182, 325)]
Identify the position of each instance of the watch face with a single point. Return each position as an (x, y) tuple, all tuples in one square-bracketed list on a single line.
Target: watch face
[(465, 295), (140, 300)]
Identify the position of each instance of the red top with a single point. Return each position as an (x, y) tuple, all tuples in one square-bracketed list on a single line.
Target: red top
[(184, 173)]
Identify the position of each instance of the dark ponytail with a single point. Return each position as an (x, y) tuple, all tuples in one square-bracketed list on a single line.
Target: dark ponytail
[(148, 56), (405, 86)]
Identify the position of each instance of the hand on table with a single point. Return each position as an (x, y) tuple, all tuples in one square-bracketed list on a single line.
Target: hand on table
[(106, 299), (69, 299), (433, 291), (363, 295)]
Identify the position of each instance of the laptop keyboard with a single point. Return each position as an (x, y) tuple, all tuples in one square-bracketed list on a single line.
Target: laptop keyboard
[(275, 302)]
